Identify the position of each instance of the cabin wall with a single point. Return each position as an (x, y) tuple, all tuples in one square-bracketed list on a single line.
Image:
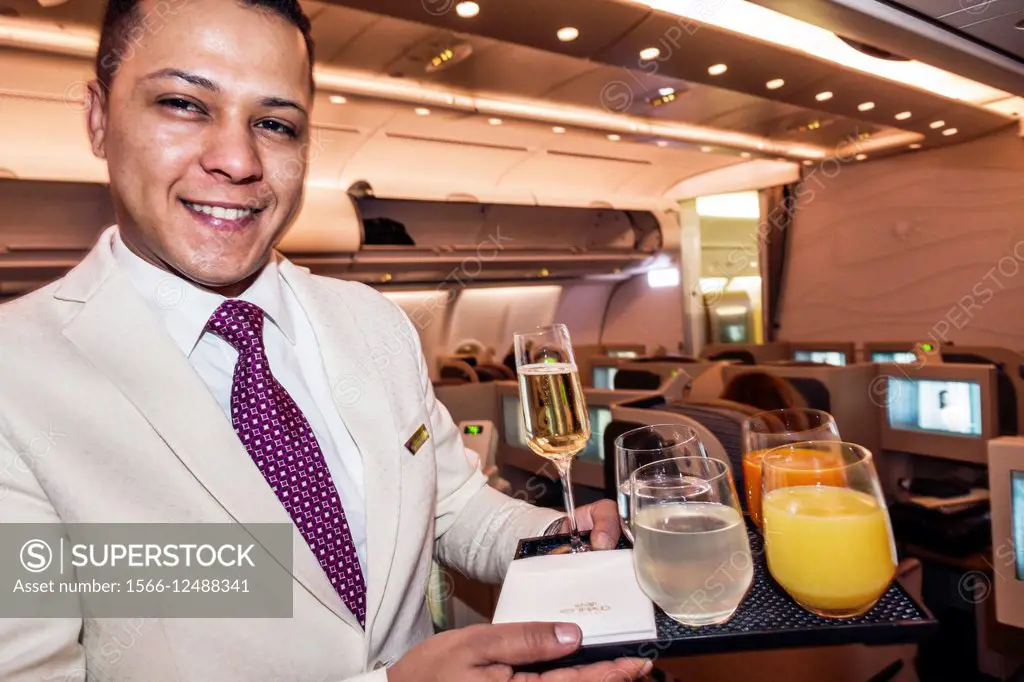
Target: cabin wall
[(638, 313), (925, 246)]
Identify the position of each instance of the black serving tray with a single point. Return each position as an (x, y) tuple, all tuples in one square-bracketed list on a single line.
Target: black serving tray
[(768, 618)]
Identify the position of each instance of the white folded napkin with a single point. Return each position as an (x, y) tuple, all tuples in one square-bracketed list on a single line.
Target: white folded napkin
[(596, 590)]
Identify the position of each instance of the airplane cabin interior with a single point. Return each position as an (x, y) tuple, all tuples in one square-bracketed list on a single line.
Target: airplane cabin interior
[(733, 206)]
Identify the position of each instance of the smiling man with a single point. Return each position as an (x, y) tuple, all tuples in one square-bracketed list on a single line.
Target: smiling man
[(186, 373)]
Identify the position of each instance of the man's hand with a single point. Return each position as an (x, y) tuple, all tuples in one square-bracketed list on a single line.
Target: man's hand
[(601, 519), (486, 653)]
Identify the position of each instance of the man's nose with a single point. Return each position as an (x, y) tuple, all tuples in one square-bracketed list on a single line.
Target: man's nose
[(230, 151)]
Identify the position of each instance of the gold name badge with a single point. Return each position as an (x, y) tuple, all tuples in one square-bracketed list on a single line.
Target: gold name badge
[(421, 436)]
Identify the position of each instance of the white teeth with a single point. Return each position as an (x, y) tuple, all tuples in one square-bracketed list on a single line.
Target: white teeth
[(220, 212)]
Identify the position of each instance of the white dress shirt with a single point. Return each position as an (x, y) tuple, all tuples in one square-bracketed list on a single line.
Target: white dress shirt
[(292, 351)]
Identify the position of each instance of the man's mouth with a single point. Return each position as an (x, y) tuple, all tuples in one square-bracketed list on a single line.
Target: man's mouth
[(220, 211)]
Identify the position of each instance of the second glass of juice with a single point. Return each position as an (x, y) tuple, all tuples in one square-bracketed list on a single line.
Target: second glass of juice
[(828, 538)]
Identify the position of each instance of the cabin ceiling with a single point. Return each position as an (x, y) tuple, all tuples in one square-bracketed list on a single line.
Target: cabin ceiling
[(991, 22), (515, 53)]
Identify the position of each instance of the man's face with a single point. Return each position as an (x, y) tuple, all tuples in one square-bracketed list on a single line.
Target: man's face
[(204, 132)]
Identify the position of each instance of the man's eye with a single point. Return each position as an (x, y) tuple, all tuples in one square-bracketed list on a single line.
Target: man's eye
[(277, 127), (183, 104)]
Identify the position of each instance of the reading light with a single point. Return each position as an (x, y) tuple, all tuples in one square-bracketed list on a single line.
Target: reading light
[(544, 272), (949, 131), (663, 277), (775, 84), (614, 138), (936, 124), (664, 96), (568, 34), (467, 10), (865, 106), (807, 162), (903, 115), (337, 99), (717, 69), (649, 53), (666, 91), (823, 96), (915, 146), (558, 129), (422, 111), (494, 121), (861, 157)]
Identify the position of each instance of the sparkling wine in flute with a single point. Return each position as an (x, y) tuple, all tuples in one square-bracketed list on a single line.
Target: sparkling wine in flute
[(557, 422)]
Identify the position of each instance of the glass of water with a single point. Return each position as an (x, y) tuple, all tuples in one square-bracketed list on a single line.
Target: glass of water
[(645, 445), (690, 547)]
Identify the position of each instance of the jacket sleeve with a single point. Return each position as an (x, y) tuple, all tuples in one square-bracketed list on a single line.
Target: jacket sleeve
[(478, 527), (34, 649)]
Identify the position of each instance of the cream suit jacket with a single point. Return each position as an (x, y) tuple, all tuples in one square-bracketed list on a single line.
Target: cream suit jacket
[(133, 435)]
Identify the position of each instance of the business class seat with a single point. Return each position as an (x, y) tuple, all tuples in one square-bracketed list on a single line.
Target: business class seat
[(456, 372)]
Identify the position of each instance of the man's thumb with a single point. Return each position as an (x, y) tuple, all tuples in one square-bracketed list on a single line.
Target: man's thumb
[(521, 643)]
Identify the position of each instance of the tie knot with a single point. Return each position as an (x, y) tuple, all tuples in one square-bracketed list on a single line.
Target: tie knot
[(240, 323)]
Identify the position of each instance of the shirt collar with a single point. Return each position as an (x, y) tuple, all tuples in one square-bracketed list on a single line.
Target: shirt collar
[(185, 308)]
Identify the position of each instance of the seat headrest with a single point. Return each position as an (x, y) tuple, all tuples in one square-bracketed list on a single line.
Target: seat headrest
[(709, 384)]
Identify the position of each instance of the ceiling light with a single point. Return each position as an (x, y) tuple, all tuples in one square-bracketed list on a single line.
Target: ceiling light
[(717, 69), (649, 53), (903, 115), (949, 131), (568, 34), (422, 111), (915, 146), (745, 155), (558, 129), (807, 162), (761, 23), (614, 138), (705, 149), (775, 84), (338, 99), (861, 157), (936, 124), (823, 96), (865, 106), (494, 121), (467, 10), (661, 143)]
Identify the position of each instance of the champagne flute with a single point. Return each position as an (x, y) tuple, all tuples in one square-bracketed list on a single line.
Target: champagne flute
[(828, 537), (768, 430), (692, 552), (556, 417), (645, 445)]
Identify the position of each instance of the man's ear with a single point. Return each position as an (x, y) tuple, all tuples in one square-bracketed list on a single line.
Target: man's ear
[(96, 118)]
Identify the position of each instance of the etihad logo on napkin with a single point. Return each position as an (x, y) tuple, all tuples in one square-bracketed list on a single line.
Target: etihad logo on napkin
[(586, 607)]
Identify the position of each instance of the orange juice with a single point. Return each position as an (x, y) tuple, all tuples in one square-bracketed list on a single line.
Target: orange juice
[(800, 467), (830, 548)]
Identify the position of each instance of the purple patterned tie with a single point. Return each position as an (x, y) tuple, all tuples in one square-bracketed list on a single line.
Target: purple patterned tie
[(284, 447)]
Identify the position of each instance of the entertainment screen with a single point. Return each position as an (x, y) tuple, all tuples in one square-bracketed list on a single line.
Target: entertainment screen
[(826, 357), (935, 406), (899, 357), (515, 428), (1017, 522), (604, 377)]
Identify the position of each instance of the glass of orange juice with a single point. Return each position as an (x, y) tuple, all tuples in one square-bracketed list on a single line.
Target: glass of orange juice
[(768, 430), (827, 534)]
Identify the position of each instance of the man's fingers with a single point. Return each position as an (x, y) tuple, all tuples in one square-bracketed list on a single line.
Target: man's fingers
[(522, 643), (606, 531)]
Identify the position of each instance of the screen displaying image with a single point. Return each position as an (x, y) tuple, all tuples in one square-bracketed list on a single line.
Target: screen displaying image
[(899, 357), (513, 421), (826, 357), (936, 406), (604, 377), (600, 417), (1017, 524)]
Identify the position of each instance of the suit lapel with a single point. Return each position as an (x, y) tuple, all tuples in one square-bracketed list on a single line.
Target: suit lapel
[(364, 404), (119, 335)]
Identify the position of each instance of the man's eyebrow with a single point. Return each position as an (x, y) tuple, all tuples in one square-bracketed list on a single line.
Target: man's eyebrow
[(192, 78), (279, 102)]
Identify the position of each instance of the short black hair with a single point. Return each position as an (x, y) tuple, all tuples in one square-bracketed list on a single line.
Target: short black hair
[(124, 29)]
